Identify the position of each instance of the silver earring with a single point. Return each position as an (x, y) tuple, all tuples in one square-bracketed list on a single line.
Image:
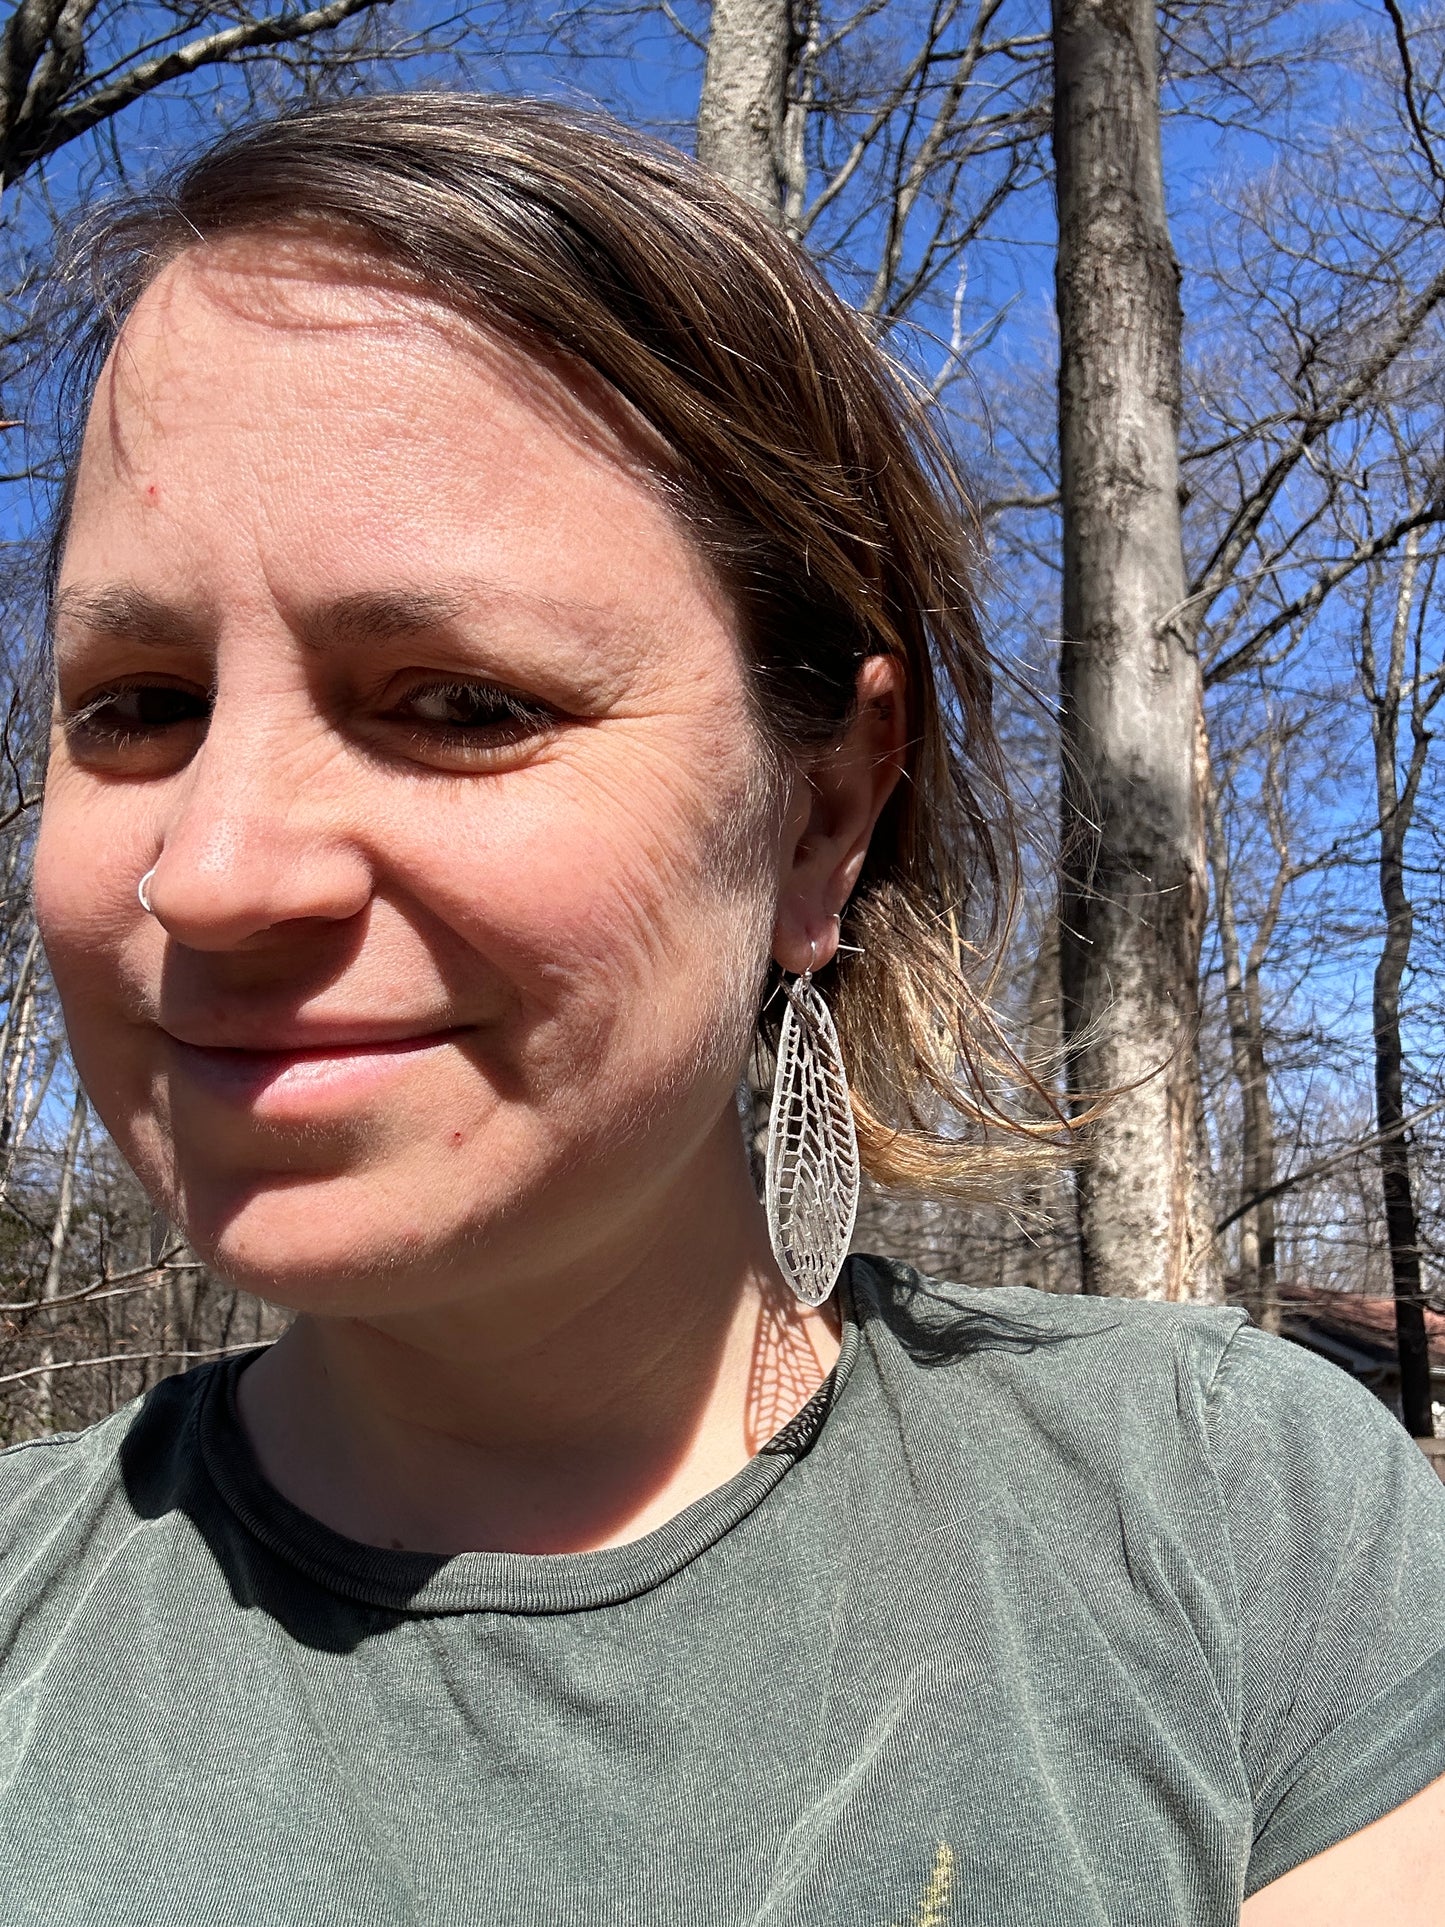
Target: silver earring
[(812, 1179), (142, 887)]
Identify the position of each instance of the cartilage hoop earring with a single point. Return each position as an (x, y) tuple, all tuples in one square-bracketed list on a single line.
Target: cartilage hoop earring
[(812, 1176), (142, 890)]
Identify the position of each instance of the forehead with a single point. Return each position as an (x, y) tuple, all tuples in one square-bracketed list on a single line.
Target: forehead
[(341, 418), (290, 306)]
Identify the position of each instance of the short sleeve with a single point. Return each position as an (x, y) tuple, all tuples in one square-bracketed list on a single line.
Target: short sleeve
[(1337, 1527)]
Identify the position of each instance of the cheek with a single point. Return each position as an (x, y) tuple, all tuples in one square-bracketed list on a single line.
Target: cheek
[(633, 917), (87, 864), (84, 895), (95, 842)]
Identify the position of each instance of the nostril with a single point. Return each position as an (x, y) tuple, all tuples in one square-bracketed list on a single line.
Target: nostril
[(268, 875)]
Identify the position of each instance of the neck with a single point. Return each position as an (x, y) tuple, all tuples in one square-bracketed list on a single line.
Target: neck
[(576, 1406)]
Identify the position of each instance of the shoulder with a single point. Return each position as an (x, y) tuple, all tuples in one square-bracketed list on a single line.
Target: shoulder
[(67, 1498), (40, 1478), (1088, 1362), (1147, 1398)]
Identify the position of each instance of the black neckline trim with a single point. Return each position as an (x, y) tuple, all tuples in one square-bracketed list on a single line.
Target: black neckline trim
[(512, 1582)]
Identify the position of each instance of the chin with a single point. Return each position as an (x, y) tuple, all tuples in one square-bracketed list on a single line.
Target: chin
[(329, 1247)]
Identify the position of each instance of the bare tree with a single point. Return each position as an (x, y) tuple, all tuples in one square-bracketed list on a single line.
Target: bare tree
[(1259, 1286), (69, 66), (59, 1237), (741, 112), (1400, 684), (1131, 926), (1312, 468)]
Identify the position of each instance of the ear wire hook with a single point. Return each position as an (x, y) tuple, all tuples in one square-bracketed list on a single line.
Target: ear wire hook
[(806, 976), (143, 887)]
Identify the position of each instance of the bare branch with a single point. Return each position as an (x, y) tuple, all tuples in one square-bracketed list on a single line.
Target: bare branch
[(208, 50), (122, 1358), (1371, 1141), (1217, 573), (1407, 89), (1303, 606)]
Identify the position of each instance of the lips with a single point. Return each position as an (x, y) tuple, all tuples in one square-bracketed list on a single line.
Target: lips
[(301, 1072), (334, 1040)]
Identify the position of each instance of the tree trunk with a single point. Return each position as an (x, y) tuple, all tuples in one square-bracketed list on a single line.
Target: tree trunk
[(1396, 809), (1038, 1253), (59, 1237), (1401, 1227), (1244, 1008), (741, 114), (1260, 1163), (799, 86), (1130, 685)]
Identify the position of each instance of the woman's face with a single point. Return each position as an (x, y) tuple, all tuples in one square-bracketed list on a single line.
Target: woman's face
[(378, 646)]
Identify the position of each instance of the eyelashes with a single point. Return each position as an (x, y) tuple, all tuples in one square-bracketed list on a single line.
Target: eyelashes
[(469, 708), (130, 710), (450, 717)]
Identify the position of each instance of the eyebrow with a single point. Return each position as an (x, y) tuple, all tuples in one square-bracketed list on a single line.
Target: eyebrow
[(380, 614), (120, 609)]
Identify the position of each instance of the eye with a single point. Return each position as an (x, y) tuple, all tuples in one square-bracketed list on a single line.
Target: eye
[(128, 711), (473, 713)]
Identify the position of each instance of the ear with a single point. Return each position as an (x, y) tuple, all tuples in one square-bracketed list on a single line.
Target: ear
[(838, 801)]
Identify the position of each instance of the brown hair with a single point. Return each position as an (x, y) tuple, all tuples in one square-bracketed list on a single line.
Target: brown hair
[(803, 463)]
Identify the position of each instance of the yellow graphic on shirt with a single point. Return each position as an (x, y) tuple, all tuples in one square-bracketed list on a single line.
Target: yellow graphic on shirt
[(934, 1908)]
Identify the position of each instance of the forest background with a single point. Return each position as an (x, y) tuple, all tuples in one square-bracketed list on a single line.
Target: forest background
[(1210, 565)]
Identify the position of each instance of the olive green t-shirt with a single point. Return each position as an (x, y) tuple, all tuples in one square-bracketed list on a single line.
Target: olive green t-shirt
[(1044, 1612)]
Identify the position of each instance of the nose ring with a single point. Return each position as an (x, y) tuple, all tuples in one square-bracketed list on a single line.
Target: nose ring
[(141, 889)]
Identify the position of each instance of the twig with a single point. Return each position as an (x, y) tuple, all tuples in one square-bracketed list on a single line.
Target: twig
[(1324, 1166), (119, 1358)]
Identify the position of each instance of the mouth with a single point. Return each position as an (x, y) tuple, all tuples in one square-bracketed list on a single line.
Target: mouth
[(301, 1071)]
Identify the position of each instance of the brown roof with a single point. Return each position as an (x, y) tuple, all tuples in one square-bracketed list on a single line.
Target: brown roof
[(1370, 1322)]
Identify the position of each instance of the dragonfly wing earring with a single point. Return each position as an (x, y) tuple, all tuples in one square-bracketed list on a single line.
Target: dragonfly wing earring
[(812, 1179)]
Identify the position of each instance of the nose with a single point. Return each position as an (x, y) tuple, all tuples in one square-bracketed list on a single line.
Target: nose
[(262, 832)]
